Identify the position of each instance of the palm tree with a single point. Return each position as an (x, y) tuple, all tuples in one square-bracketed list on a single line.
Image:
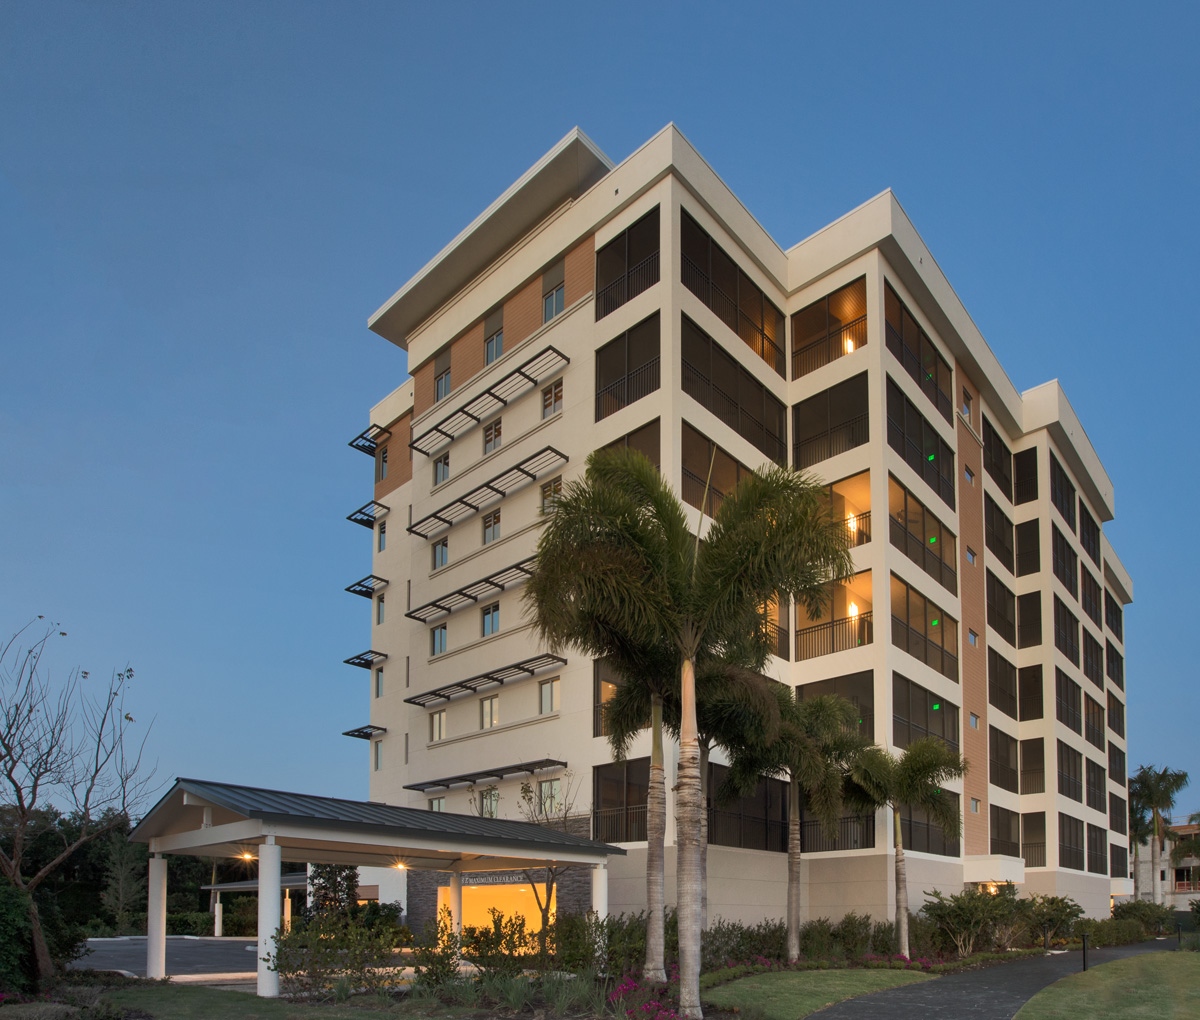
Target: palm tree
[(1140, 831), (1157, 789), (816, 744), (618, 563), (915, 778)]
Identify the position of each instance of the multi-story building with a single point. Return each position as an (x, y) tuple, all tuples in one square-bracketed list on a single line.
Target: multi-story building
[(1179, 881), (642, 305)]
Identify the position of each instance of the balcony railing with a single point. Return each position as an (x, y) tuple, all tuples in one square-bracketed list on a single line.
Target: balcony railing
[(713, 394), (858, 529), (1098, 861), (1187, 887), (920, 647), (1070, 786), (725, 308), (694, 495), (926, 837), (639, 383), (599, 725), (1007, 847), (922, 463), (1034, 854), (834, 636), (782, 645), (852, 834), (819, 353), (732, 828), (923, 555), (838, 439), (1003, 776), (627, 286), (911, 360), (1095, 734), (1005, 700), (1033, 781), (619, 825)]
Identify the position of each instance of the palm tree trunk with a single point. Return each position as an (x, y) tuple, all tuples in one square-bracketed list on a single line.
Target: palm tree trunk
[(1137, 878), (901, 884), (656, 830), (793, 872), (687, 826), (704, 836), (1155, 850)]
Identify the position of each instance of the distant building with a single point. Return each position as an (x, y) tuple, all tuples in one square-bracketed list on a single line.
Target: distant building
[(1180, 882)]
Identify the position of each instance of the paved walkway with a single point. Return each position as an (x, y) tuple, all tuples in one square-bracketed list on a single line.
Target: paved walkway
[(993, 993)]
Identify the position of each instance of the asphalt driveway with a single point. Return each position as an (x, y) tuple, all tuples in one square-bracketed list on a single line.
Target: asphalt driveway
[(185, 955)]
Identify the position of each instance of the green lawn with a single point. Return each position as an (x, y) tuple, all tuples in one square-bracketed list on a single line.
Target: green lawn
[(194, 1002), (788, 995), (1153, 986)]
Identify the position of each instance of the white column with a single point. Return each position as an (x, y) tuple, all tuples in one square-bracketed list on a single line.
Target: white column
[(269, 870), (600, 890), (156, 918), (219, 918), (456, 900)]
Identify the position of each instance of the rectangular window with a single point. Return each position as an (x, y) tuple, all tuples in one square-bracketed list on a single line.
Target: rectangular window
[(437, 640), (381, 463), (493, 331), (646, 441), (552, 399), (1002, 760), (1116, 716), (1114, 665), (1005, 832), (1096, 789), (1066, 563), (997, 459), (1029, 620), (441, 553), (1070, 842), (914, 350), (1025, 476), (378, 609), (911, 435), (1116, 764), (441, 469), (967, 401), (379, 682), (627, 265), (830, 328), (1089, 596), (441, 386), (604, 689), (1033, 839), (548, 696), (491, 527), (729, 390), (1118, 861), (918, 712), (377, 754), (922, 629), (831, 423), (921, 536), (1066, 631), (1070, 772), (492, 435), (1001, 609), (1093, 659), (1062, 492), (920, 833), (619, 793), (1097, 849), (489, 712), (998, 532), (709, 473), (491, 619), (551, 491), (1093, 722), (549, 796), (1029, 679), (735, 299), (1118, 815), (628, 368), (1068, 701), (437, 803), (1089, 534), (489, 803), (437, 725), (1114, 616), (382, 535), (1029, 547), (1002, 683), (553, 292), (1033, 766)]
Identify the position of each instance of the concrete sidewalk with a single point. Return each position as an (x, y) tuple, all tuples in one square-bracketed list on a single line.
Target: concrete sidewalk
[(993, 993)]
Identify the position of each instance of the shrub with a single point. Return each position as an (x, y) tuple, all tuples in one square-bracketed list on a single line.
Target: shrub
[(499, 948), (1153, 917), (925, 939), (853, 935), (15, 944), (1059, 912), (965, 918), (1195, 905), (1010, 921), (725, 942), (816, 939), (325, 952), (435, 955), (883, 938), (196, 922), (1112, 931)]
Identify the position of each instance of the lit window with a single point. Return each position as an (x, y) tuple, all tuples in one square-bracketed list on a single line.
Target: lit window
[(489, 712), (491, 527), (441, 386), (493, 347), (441, 469), (437, 803), (377, 754), (971, 556), (551, 491), (969, 475), (379, 682), (552, 397), (549, 796), (437, 640), (548, 696), (381, 471), (441, 553), (552, 303), (489, 802), (491, 619), (437, 725), (972, 637), (382, 535), (491, 436)]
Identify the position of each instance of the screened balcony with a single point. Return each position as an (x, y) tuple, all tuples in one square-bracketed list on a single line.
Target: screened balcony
[(845, 622), (850, 502), (830, 328)]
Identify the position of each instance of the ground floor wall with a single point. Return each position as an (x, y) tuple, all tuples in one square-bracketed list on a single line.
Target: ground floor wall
[(1092, 892)]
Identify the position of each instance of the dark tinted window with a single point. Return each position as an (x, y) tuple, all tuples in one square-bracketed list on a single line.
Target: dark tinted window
[(911, 435), (832, 422)]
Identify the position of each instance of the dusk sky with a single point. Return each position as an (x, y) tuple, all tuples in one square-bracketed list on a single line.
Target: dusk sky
[(201, 204)]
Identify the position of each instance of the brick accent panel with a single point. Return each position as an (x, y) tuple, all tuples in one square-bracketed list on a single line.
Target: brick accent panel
[(973, 590), (400, 465), (523, 313), (579, 270), (466, 356), (423, 388)]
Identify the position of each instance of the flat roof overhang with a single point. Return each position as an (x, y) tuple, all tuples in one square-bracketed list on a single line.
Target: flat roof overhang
[(564, 173), (207, 819)]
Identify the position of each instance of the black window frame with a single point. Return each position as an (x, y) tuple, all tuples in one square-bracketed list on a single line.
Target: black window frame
[(1070, 772), (1003, 760), (1004, 829), (931, 541), (1025, 476), (1071, 847), (929, 643), (916, 703), (998, 533), (1116, 764), (628, 281), (1062, 492), (1068, 702), (1089, 534), (916, 440), (1114, 616), (1116, 715), (1066, 631), (997, 459), (1064, 560), (1114, 665), (1001, 608), (918, 354), (1031, 693), (812, 446), (1002, 683), (636, 382), (1028, 540)]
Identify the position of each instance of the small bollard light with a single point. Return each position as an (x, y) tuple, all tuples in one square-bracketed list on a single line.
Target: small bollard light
[(1046, 935), (1085, 938)]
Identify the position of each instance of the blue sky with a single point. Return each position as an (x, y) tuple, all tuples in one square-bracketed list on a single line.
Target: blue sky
[(200, 205)]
